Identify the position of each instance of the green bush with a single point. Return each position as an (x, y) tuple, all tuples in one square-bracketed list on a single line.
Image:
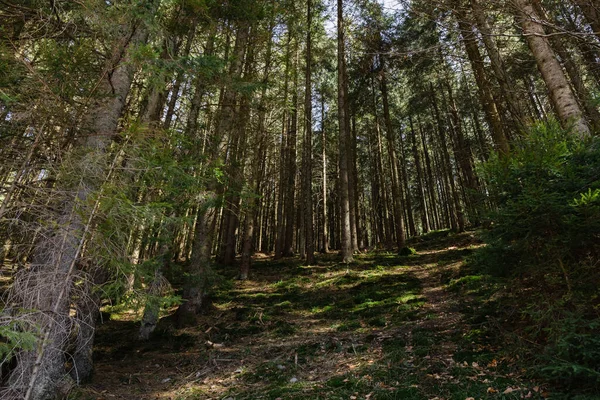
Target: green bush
[(544, 235), (572, 357), (407, 251), (547, 194)]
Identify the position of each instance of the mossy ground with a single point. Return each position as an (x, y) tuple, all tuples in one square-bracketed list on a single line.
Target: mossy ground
[(383, 327)]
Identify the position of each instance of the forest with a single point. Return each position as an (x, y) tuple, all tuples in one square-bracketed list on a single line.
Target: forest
[(299, 199)]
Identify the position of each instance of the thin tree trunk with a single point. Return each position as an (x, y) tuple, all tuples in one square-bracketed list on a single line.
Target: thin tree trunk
[(507, 86), (325, 239), (257, 169), (420, 191), (307, 154), (485, 93), (391, 146), (178, 79), (291, 169), (344, 138), (353, 181)]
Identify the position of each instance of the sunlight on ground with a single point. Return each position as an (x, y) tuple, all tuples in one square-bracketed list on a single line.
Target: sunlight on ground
[(380, 328)]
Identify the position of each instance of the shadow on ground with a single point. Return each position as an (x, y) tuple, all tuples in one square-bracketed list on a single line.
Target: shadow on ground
[(382, 327)]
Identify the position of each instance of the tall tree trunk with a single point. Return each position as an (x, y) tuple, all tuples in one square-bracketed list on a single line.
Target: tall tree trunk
[(48, 284), (199, 91), (178, 79), (561, 95), (344, 138), (238, 110), (307, 154), (391, 146), (291, 169), (257, 167), (507, 86), (405, 188), (452, 201), (325, 233), (485, 93), (587, 50), (574, 73), (353, 181), (420, 191), (430, 181), (282, 190)]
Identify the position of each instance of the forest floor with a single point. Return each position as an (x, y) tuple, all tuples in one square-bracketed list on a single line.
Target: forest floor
[(383, 327)]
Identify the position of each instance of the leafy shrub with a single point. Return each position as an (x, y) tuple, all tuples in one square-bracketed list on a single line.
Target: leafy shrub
[(544, 234), (573, 354), (407, 251), (547, 194)]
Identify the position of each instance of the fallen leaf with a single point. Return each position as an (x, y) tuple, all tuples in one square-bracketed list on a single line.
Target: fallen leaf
[(491, 390), (508, 390)]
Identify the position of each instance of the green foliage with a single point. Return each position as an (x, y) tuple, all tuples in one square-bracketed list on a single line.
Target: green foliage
[(407, 251), (14, 336), (545, 231), (574, 351), (546, 192)]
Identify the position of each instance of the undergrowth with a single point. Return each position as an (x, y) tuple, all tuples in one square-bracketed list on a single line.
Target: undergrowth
[(537, 279)]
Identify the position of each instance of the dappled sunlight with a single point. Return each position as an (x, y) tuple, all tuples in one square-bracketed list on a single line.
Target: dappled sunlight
[(377, 328)]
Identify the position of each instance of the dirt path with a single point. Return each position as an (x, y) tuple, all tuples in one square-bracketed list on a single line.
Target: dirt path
[(382, 328)]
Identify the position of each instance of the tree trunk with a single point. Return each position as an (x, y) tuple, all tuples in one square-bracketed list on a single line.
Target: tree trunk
[(561, 95), (352, 181), (420, 191), (391, 146), (257, 169), (574, 73), (48, 284), (485, 93), (199, 269), (344, 138), (507, 86), (325, 222), (291, 168), (307, 154), (178, 78)]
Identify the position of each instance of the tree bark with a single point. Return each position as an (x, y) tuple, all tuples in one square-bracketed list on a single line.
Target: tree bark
[(307, 154), (325, 222), (485, 93), (48, 284), (507, 86), (561, 95), (420, 177), (391, 146), (344, 138), (199, 269)]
